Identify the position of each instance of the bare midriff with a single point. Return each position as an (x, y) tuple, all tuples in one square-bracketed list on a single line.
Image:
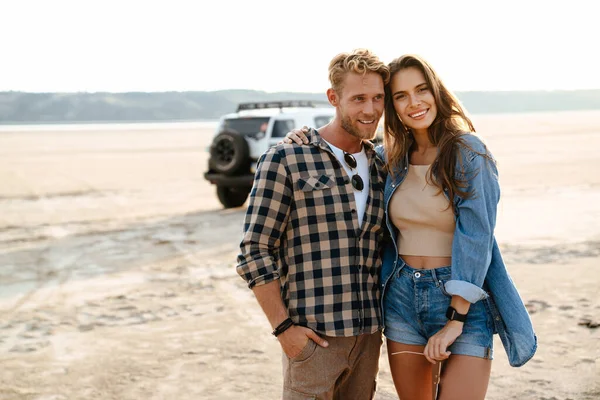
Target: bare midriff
[(426, 262)]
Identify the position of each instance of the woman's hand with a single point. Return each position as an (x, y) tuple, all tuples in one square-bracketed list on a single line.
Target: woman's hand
[(436, 348), (297, 136)]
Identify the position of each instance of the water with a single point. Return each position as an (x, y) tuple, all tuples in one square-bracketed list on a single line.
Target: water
[(110, 126)]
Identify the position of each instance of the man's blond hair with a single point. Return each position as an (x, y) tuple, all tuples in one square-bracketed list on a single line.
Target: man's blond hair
[(360, 61)]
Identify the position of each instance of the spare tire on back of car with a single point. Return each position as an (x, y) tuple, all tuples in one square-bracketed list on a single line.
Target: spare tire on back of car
[(229, 153)]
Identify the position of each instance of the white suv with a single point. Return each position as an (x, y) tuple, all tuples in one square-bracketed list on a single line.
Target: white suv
[(242, 137)]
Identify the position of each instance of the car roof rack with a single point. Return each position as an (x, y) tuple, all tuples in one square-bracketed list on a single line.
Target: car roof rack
[(279, 104)]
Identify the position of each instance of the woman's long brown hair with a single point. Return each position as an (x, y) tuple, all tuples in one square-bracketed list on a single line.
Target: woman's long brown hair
[(450, 123)]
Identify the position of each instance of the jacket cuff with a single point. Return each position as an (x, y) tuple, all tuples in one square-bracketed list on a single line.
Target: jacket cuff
[(468, 291)]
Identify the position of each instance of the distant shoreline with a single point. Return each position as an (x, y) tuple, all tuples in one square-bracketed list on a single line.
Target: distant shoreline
[(201, 123), (108, 122), (84, 108), (105, 126)]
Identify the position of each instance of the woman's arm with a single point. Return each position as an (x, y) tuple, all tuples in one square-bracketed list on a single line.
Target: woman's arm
[(475, 223), (472, 244)]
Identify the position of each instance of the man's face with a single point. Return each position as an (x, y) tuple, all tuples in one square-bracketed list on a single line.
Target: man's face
[(360, 104)]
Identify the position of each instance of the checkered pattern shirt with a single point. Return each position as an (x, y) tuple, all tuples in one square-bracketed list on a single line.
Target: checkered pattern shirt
[(301, 227)]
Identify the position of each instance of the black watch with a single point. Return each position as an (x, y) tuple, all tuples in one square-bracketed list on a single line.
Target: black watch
[(453, 315)]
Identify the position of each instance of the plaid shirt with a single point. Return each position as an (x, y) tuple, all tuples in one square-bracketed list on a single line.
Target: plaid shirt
[(301, 227)]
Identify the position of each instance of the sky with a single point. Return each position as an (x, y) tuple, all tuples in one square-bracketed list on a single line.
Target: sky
[(207, 45)]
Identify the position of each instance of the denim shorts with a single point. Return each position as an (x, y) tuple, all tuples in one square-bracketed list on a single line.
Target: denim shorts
[(414, 308)]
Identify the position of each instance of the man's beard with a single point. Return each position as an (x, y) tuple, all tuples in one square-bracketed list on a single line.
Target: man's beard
[(355, 131)]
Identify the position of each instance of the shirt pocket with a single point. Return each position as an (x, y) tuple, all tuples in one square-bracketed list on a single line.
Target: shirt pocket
[(314, 183), (316, 195)]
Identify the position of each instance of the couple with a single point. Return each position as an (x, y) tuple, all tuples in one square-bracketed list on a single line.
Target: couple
[(342, 240)]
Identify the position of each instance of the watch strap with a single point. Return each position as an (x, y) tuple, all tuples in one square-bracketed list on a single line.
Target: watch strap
[(454, 315)]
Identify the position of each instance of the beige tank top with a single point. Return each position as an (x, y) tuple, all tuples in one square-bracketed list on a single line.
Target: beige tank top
[(422, 215)]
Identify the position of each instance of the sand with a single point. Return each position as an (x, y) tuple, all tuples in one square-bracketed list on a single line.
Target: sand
[(117, 264)]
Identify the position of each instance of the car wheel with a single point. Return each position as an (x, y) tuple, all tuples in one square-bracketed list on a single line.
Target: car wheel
[(232, 197), (229, 153)]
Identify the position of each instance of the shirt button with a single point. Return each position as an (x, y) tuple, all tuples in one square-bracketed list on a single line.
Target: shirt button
[(317, 184), (393, 185), (353, 211)]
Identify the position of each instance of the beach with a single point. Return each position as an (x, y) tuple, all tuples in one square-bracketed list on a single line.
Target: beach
[(117, 264)]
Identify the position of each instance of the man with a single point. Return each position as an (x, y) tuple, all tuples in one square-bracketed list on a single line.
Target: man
[(311, 247)]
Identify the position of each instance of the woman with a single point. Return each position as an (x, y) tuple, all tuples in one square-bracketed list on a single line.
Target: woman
[(445, 289)]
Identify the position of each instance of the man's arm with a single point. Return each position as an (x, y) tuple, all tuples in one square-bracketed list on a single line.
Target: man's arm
[(266, 219), (293, 339), (269, 298)]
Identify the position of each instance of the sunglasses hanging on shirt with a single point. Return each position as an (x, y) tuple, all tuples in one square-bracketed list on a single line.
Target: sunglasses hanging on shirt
[(357, 182)]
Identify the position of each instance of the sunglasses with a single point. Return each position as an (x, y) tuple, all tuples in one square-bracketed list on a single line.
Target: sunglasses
[(357, 182)]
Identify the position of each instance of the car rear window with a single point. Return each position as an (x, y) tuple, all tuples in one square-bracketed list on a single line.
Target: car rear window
[(322, 120), (282, 127), (247, 126)]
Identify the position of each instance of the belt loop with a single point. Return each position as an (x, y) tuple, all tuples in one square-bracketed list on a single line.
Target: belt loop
[(399, 266), (434, 276)]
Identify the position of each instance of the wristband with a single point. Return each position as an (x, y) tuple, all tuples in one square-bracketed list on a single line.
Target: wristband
[(282, 327), (453, 315)]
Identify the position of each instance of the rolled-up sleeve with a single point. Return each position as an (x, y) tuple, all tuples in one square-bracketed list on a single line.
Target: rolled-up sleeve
[(265, 221), (474, 234)]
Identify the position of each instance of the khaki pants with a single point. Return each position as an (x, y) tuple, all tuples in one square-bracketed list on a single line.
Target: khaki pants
[(346, 369)]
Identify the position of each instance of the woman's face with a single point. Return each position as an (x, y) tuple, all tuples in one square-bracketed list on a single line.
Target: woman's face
[(413, 100)]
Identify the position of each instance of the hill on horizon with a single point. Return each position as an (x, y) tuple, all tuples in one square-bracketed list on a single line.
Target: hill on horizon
[(24, 107)]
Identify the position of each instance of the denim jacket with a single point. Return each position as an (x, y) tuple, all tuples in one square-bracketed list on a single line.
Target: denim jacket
[(478, 271)]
